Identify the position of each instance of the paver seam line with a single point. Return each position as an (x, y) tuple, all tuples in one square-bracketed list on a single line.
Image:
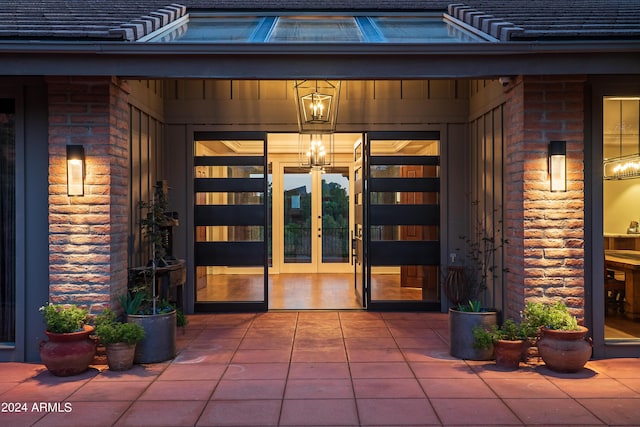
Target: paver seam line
[(496, 394), (224, 371), (353, 388), (415, 377), (286, 379)]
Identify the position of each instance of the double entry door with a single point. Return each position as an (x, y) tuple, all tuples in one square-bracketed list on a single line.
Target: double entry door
[(387, 212), (314, 223)]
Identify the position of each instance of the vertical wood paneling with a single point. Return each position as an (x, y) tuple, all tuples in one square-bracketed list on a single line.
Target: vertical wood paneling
[(387, 89), (273, 90), (146, 162), (246, 89), (413, 89), (217, 89), (487, 142), (441, 89)]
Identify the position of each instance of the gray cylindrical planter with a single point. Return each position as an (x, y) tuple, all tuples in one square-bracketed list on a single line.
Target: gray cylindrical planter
[(159, 343), (461, 324)]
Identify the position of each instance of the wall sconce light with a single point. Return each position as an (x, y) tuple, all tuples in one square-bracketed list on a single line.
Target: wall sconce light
[(558, 165), (75, 170)]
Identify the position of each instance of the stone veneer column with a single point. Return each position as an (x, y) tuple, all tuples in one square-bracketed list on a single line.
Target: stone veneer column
[(545, 253), (88, 234)]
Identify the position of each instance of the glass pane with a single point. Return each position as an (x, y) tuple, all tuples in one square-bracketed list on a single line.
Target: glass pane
[(229, 148), (211, 30), (229, 172), (396, 232), (621, 137), (401, 197), (7, 213), (253, 198), (270, 215), (405, 283), (414, 147), (297, 215), (315, 29), (229, 233), (335, 215), (402, 29), (214, 285)]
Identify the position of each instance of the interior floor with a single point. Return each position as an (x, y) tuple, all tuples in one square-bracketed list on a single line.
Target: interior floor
[(619, 327), (327, 291)]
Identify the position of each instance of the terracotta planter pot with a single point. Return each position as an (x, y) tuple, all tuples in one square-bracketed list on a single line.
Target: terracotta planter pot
[(120, 356), (508, 353), (68, 354), (565, 351)]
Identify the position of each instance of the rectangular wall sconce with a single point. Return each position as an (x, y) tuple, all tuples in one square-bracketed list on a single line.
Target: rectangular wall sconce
[(558, 165), (75, 170)]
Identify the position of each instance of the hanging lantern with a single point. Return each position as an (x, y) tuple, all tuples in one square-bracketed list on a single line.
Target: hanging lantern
[(316, 150), (317, 105)]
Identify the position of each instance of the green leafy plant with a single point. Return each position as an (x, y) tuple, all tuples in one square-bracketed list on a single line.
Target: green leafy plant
[(474, 306), (111, 331), (550, 315), (64, 318), (139, 298), (509, 331), (181, 319), (131, 302)]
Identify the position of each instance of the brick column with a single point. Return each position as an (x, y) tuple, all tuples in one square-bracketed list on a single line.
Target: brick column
[(545, 253), (88, 234)]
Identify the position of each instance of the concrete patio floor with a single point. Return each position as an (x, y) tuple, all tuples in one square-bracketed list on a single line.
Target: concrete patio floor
[(322, 368)]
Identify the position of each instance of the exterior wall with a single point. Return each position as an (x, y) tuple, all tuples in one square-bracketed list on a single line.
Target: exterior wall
[(546, 231), (484, 195), (88, 235), (269, 105), (146, 115)]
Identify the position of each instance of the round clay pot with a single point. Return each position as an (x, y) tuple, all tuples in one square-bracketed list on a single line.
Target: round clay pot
[(120, 356), (565, 351), (69, 353), (508, 353)]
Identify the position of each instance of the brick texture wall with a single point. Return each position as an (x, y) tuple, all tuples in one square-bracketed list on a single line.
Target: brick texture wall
[(88, 234), (545, 230)]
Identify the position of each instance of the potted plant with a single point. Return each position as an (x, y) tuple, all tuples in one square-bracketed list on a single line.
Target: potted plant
[(69, 350), (157, 318), (464, 285), (562, 343), (508, 342), (120, 340), (141, 302)]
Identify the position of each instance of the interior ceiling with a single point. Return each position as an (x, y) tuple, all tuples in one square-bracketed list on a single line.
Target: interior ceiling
[(288, 143)]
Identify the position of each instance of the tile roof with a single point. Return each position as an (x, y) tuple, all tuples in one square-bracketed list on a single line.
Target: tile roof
[(507, 20)]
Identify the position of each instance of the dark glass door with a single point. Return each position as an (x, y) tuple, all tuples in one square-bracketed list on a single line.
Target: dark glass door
[(402, 220), (231, 218)]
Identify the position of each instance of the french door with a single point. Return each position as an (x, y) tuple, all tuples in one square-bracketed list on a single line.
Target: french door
[(316, 219)]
